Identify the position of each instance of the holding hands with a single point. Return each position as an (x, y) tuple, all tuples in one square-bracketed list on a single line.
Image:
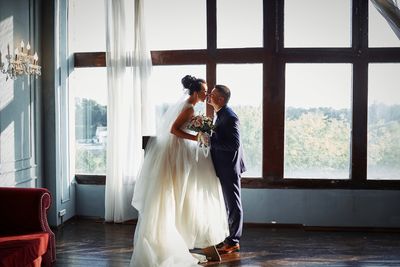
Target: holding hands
[(204, 139), (203, 143), (203, 125)]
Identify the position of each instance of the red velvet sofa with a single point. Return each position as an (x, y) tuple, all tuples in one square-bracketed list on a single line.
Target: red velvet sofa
[(25, 236)]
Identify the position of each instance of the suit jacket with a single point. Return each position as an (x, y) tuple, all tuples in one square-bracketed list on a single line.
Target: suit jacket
[(226, 148)]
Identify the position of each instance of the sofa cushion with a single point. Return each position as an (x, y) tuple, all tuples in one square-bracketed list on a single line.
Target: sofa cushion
[(22, 250)]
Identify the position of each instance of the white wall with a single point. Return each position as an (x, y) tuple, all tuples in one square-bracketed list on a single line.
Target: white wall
[(316, 207), (90, 201), (20, 160)]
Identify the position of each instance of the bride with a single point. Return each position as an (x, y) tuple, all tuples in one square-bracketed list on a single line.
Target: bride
[(179, 199)]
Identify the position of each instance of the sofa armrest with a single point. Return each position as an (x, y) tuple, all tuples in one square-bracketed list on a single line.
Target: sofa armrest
[(24, 211)]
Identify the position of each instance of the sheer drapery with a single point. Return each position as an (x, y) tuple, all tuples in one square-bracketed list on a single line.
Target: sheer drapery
[(390, 11), (128, 67)]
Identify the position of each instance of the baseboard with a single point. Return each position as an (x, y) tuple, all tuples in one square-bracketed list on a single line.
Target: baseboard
[(325, 228)]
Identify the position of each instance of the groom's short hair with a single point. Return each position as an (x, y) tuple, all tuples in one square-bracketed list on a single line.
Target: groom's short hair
[(224, 91)]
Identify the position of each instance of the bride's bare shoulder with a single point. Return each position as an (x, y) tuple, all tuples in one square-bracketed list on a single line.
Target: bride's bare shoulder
[(188, 110), (187, 106)]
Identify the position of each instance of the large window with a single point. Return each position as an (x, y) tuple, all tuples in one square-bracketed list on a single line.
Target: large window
[(176, 24), (380, 33), (313, 83), (90, 96), (239, 23), (245, 82), (317, 23), (317, 121), (383, 121), (86, 35), (88, 87)]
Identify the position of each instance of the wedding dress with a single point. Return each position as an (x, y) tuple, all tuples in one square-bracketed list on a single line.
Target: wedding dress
[(179, 200)]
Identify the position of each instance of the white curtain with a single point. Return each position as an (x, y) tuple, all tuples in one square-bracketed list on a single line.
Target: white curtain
[(128, 68), (390, 11)]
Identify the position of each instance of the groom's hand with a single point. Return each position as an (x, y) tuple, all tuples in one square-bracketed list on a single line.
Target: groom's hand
[(205, 138)]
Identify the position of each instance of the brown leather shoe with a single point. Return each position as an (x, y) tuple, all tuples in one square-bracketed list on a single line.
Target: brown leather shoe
[(212, 253), (220, 245), (226, 249)]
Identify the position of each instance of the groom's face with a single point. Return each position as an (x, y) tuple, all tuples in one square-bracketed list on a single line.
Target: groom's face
[(214, 99)]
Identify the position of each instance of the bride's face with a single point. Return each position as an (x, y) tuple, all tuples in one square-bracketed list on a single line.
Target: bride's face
[(202, 94)]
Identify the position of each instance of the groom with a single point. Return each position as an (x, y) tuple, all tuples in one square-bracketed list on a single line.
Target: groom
[(227, 156)]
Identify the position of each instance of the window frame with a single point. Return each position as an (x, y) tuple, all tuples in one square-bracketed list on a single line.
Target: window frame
[(274, 56)]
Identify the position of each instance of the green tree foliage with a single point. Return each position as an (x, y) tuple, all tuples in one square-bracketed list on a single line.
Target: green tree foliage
[(251, 134), (90, 161), (383, 136), (316, 141), (89, 158), (88, 116), (317, 138)]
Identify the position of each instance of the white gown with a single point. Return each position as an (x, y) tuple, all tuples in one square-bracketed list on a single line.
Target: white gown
[(179, 200)]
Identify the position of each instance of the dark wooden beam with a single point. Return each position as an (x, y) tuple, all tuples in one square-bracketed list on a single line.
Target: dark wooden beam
[(273, 118), (211, 26), (359, 121), (252, 55), (90, 179), (276, 183), (179, 57), (93, 59), (382, 55), (358, 159), (283, 183)]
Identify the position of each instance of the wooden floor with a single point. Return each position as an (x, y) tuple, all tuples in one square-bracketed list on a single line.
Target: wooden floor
[(91, 243)]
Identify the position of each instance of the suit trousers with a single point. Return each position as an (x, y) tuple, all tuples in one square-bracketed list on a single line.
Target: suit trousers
[(231, 189)]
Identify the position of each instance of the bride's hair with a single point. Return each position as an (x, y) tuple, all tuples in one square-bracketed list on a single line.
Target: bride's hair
[(192, 84)]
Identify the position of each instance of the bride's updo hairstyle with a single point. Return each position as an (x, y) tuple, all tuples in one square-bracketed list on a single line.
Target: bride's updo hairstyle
[(192, 84)]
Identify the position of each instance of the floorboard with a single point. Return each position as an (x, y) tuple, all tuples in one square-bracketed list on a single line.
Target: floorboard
[(95, 244)]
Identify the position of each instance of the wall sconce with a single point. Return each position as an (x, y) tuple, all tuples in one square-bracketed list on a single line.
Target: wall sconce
[(20, 63)]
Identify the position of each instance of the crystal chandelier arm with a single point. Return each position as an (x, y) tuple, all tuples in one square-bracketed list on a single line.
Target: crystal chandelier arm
[(21, 63)]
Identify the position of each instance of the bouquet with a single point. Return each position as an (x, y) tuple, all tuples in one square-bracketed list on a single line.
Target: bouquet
[(203, 125)]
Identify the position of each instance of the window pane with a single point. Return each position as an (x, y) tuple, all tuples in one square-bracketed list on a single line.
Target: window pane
[(166, 87), (89, 89), (87, 34), (239, 23), (380, 33), (317, 23), (317, 121), (383, 121), (175, 24), (245, 82)]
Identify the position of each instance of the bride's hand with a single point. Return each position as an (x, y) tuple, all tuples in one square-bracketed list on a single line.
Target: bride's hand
[(197, 136)]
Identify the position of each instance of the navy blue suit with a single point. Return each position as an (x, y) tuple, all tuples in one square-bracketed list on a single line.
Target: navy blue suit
[(227, 156)]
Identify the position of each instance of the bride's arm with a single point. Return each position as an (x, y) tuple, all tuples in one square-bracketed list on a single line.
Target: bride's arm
[(183, 117)]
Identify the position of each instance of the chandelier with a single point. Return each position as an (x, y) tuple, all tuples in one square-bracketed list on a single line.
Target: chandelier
[(22, 62)]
